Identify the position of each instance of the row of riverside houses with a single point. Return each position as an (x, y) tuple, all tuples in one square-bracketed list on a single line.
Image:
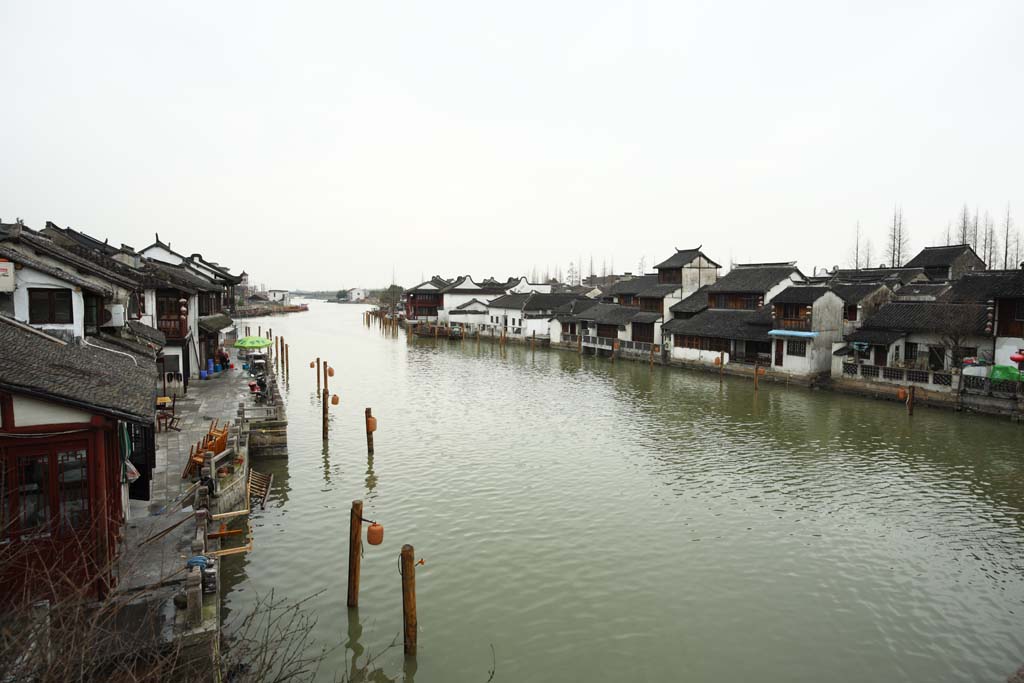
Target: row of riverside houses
[(940, 322), (89, 333)]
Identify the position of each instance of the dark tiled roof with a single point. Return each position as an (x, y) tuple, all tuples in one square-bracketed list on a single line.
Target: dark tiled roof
[(472, 303), (728, 324), (852, 294), (511, 301), (750, 279), (695, 303), (18, 256), (683, 257), (182, 277), (609, 314), (884, 337), (979, 287), (634, 285), (923, 290), (932, 257), (215, 322), (31, 241), (568, 312), (646, 317), (438, 283), (658, 291), (94, 379), (879, 275), (929, 316), (459, 285), (548, 302), (146, 332), (141, 351), (800, 295)]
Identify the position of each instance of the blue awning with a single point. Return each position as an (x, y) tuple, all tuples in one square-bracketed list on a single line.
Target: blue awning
[(792, 333)]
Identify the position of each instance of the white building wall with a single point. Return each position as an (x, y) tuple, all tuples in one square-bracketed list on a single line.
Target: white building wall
[(1007, 346), (698, 355), (522, 287), (30, 278), (31, 412), (698, 273), (149, 301), (538, 326), (158, 253)]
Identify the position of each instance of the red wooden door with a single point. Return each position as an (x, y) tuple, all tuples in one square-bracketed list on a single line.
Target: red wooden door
[(880, 353), (778, 352)]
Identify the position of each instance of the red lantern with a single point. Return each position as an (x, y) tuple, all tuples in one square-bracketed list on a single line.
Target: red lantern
[(1017, 357)]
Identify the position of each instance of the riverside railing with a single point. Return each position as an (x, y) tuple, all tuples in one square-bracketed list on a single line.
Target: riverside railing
[(933, 378)]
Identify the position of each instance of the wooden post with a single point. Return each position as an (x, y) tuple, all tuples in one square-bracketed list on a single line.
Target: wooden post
[(369, 433), (287, 364), (326, 387), (325, 399), (652, 355), (579, 342), (355, 551), (318, 375), (757, 373), (910, 400), (259, 330), (721, 366), (409, 599), (533, 341)]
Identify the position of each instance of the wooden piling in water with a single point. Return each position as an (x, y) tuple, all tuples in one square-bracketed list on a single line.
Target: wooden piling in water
[(326, 373), (409, 599), (757, 374), (369, 431), (318, 375), (910, 400), (533, 342), (287, 363), (355, 548), (324, 398)]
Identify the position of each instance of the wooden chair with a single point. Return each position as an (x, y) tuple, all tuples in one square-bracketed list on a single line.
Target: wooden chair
[(169, 420)]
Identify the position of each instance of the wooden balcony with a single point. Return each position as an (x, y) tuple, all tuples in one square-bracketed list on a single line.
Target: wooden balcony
[(173, 328), (803, 324)]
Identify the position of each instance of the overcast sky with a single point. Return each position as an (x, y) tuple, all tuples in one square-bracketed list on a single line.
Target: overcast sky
[(317, 145)]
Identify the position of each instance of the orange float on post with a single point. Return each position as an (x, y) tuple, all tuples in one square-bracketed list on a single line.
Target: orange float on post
[(371, 424), (901, 394), (311, 364), (375, 534), (335, 400), (330, 372)]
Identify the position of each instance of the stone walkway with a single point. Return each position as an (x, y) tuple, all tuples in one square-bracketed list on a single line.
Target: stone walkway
[(206, 401)]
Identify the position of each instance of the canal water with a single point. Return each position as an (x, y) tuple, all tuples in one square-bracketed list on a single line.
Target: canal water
[(593, 521)]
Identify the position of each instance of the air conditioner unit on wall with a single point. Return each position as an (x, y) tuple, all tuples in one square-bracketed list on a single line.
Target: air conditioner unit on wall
[(113, 315)]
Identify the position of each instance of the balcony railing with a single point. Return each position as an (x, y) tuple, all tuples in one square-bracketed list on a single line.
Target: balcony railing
[(172, 328), (793, 324)]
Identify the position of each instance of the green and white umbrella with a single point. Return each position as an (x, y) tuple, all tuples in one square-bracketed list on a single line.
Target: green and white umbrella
[(253, 343)]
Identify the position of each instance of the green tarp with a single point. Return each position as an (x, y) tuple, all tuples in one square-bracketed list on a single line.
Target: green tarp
[(1005, 372)]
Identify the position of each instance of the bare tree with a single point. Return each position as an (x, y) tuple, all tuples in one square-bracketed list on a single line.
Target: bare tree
[(974, 231), (963, 228), (991, 242), (867, 253), (56, 629), (856, 248), (641, 265), (1007, 224), (897, 242)]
